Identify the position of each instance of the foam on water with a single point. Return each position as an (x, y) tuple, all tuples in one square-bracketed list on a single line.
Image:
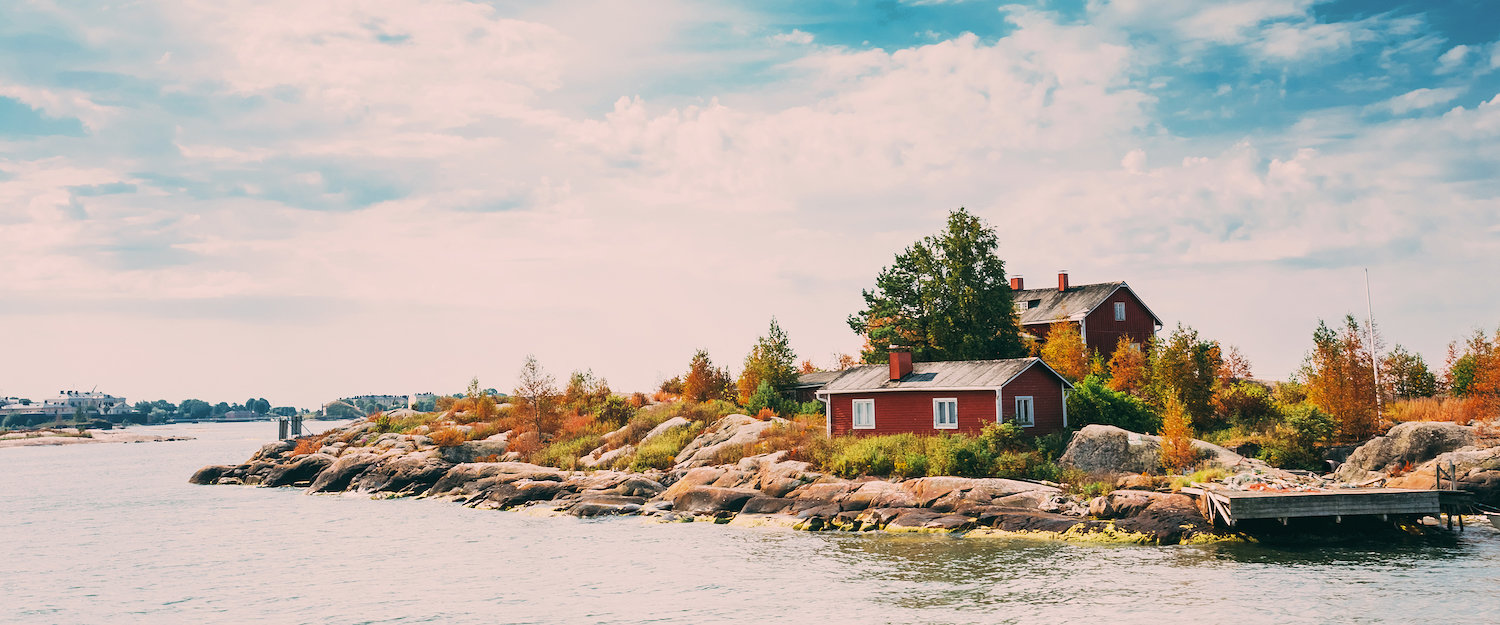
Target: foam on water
[(115, 534)]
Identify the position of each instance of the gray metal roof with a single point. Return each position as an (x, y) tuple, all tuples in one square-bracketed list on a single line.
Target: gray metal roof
[(1073, 304), (948, 375), (816, 378)]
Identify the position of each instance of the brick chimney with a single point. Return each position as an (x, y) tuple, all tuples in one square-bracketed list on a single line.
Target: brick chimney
[(1062, 280), (900, 362), (1017, 283)]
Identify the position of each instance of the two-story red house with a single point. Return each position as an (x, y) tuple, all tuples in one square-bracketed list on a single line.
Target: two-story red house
[(1104, 312), (942, 397)]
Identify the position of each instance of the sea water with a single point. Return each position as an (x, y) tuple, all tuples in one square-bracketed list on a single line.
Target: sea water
[(113, 533)]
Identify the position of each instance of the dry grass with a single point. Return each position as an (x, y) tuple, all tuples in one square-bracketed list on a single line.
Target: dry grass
[(449, 437), (308, 445), (1460, 410)]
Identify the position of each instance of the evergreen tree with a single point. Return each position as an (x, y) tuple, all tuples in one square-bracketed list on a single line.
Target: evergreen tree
[(945, 297), (771, 361)]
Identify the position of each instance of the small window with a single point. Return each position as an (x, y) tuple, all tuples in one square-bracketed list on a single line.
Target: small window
[(945, 414), (1033, 303), (864, 414), (1024, 415), (1119, 311)]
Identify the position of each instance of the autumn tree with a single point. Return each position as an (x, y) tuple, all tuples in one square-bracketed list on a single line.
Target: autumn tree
[(1127, 367), (1405, 375), (772, 361), (844, 361), (704, 381), (1474, 370), (538, 388), (1064, 351), (945, 298), (807, 366), (1234, 366), (585, 392), (1340, 379), (1187, 367), (1177, 451)]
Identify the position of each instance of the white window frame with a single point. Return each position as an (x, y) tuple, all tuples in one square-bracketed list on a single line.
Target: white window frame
[(1119, 311), (940, 401), (1030, 404), (854, 414)]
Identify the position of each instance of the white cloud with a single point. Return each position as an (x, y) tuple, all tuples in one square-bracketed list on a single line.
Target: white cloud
[(622, 239), (1419, 99), (794, 37), (1452, 59)]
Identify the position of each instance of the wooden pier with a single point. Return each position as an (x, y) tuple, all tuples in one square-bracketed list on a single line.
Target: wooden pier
[(1232, 506)]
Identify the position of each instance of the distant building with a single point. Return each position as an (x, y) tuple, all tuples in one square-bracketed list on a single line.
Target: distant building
[(66, 405), (1103, 312)]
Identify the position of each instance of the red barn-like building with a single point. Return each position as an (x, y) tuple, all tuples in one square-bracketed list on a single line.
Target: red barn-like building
[(1104, 312), (942, 397)]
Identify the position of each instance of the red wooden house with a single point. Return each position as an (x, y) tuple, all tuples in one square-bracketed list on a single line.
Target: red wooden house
[(942, 397), (1104, 312)]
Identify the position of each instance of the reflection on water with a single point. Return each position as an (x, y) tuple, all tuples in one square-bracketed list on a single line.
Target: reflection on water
[(113, 533)]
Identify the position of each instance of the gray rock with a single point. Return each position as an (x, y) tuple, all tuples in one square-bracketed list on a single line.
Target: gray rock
[(338, 475), (301, 469), (409, 473), (1414, 442), (767, 505), (731, 431), (210, 474), (711, 499), (1108, 449), (474, 451), (664, 427), (602, 457)]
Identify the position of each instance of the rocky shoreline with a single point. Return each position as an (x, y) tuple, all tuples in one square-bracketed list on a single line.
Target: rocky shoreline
[(772, 490), (763, 490)]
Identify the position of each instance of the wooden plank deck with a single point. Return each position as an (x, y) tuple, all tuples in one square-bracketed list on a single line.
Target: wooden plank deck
[(1232, 506)]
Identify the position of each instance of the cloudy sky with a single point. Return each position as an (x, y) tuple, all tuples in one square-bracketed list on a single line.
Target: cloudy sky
[(302, 200)]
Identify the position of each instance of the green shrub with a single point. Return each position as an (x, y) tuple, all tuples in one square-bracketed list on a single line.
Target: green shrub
[(661, 452), (872, 455), (615, 411), (1052, 446), (1091, 402), (564, 453), (1004, 437), (811, 407), (960, 455), (913, 464)]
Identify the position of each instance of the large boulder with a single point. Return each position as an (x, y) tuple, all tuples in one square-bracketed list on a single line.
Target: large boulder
[(1478, 472), (210, 474), (1108, 449), (301, 469), (475, 451), (664, 427), (407, 473), (341, 472), (731, 431), (712, 499), (605, 457), (1410, 443)]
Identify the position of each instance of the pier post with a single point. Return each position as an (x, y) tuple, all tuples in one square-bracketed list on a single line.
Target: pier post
[(281, 429)]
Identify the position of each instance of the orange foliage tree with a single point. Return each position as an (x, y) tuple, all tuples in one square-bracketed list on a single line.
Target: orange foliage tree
[(1474, 372), (1127, 368), (845, 361), (1177, 451), (1064, 351), (704, 381), (1235, 366), (807, 366), (1340, 378)]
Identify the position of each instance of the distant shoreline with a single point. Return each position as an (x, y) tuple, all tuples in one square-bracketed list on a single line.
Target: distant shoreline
[(44, 438)]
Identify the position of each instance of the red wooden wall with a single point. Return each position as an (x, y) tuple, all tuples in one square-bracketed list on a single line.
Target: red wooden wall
[(1046, 397), (911, 411), (1103, 332)]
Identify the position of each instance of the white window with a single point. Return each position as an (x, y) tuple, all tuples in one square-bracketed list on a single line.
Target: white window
[(1119, 311), (864, 414), (945, 414), (1024, 415)]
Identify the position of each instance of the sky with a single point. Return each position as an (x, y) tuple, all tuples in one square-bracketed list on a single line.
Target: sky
[(306, 200)]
